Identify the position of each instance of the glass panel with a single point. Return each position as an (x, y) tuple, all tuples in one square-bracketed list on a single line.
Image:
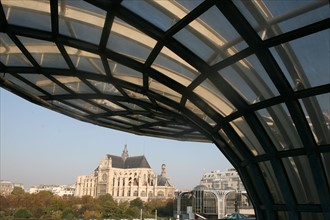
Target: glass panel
[(250, 80), (231, 145), (107, 104), (45, 53), (174, 67), (326, 164), (136, 95), (271, 18), (317, 111), (208, 37), (46, 84), (28, 13), (129, 41), (85, 61), (164, 90), (125, 120), (143, 118), (247, 135), (271, 181), (125, 73), (282, 215), (86, 105), (131, 106), (77, 22), (303, 60), (11, 55), (67, 108), (214, 98), (280, 127), (290, 15), (301, 179), (310, 215), (105, 88), (197, 111), (161, 17), (75, 84), (111, 122), (20, 84)]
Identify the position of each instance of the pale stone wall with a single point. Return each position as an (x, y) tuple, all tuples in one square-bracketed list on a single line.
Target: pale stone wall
[(122, 184)]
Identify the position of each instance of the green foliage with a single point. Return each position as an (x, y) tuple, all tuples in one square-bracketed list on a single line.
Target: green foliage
[(67, 213), (138, 203), (18, 191), (45, 205), (23, 213)]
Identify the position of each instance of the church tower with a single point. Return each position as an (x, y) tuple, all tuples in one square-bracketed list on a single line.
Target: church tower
[(125, 155)]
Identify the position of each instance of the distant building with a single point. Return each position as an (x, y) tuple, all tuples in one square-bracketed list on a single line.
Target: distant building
[(125, 178), (219, 194), (60, 190), (6, 187), (225, 180)]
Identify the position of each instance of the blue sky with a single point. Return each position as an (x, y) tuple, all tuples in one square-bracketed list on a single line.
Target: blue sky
[(40, 146)]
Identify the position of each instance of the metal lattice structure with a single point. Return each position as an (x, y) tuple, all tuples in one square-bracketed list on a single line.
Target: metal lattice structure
[(250, 76)]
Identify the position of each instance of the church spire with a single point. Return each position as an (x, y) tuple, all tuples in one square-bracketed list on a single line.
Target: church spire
[(124, 155)]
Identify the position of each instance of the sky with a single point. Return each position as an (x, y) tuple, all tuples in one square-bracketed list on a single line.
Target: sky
[(40, 146)]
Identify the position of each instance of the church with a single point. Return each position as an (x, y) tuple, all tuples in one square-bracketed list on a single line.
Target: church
[(125, 178)]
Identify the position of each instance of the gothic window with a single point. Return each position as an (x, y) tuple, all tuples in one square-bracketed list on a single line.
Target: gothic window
[(150, 194), (160, 194), (135, 193), (143, 194), (104, 177), (135, 183), (129, 192)]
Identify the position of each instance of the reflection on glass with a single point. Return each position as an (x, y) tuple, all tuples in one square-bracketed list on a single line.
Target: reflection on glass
[(247, 135), (302, 181), (175, 67), (11, 55), (45, 84), (317, 114), (85, 61), (214, 98), (127, 40), (271, 181), (304, 60), (28, 13), (74, 84), (197, 111), (45, 53), (77, 22), (230, 143), (250, 80), (280, 127)]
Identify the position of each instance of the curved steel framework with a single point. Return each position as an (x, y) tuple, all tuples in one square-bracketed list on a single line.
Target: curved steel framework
[(251, 76)]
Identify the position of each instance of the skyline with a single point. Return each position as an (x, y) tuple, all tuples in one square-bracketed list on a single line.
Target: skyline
[(40, 146)]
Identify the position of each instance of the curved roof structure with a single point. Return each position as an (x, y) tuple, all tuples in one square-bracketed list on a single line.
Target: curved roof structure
[(250, 76)]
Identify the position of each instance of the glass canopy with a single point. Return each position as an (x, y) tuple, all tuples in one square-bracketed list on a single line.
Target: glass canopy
[(253, 77)]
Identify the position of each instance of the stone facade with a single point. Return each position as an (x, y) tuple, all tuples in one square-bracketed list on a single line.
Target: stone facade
[(224, 180), (6, 187), (125, 178)]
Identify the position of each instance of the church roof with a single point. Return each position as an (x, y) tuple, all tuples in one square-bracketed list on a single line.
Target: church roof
[(130, 162)]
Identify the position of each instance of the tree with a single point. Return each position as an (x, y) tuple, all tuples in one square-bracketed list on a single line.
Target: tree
[(67, 213), (138, 203), (23, 213), (17, 191)]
